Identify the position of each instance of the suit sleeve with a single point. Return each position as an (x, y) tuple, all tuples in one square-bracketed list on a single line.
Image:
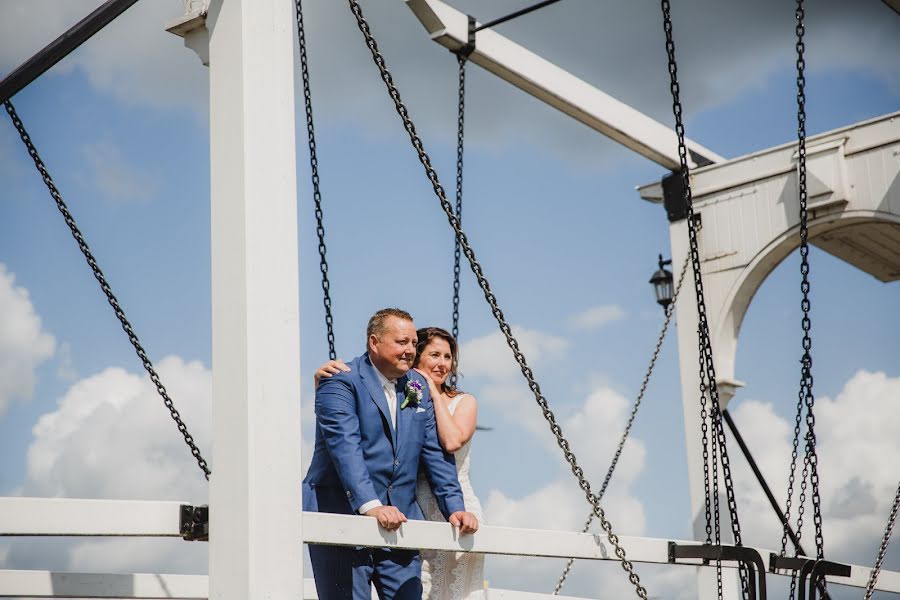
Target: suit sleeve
[(338, 420), (440, 469)]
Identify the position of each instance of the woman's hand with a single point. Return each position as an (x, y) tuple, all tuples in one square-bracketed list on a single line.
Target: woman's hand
[(432, 386), (332, 367)]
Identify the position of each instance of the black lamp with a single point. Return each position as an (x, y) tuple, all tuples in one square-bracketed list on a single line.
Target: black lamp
[(662, 283)]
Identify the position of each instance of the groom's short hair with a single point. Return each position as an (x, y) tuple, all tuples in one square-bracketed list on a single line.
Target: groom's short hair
[(377, 324)]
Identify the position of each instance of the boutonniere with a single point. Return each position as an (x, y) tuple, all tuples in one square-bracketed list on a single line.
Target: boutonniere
[(413, 393)]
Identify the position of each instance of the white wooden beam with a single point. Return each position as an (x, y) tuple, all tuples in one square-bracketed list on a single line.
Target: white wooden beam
[(48, 584), (558, 88), (46, 517), (65, 517), (256, 481)]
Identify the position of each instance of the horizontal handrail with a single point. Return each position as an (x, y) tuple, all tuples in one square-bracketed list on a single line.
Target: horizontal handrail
[(67, 517)]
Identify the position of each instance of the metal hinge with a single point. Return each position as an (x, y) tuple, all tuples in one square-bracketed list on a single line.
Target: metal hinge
[(195, 523)]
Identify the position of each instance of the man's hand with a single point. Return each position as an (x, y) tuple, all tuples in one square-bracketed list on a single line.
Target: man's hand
[(390, 518), (466, 521)]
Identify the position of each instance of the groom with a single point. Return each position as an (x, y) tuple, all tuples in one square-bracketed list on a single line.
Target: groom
[(374, 428)]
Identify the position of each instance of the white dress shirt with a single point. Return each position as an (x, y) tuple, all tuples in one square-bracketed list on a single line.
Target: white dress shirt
[(389, 387)]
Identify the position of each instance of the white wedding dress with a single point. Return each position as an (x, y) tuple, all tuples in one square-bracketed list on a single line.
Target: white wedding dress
[(452, 575)]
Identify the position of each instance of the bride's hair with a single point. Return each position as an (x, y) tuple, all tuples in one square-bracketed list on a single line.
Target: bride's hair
[(425, 335)]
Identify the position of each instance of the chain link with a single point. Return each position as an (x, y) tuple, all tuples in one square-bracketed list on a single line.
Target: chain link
[(669, 311), (105, 287), (704, 344), (882, 549), (460, 138), (805, 396), (314, 169), (425, 160)]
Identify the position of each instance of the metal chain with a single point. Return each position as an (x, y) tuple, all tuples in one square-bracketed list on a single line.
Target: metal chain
[(882, 550), (669, 311), (811, 458), (314, 169), (104, 286), (460, 138), (425, 160), (704, 343)]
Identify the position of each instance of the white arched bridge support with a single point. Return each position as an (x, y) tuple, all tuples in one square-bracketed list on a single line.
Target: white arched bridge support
[(748, 213)]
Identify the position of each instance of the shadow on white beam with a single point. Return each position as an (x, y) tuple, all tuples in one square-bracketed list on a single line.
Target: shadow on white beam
[(65, 517)]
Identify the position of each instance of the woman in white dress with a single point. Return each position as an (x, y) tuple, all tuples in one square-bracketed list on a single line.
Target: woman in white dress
[(449, 575), (445, 575)]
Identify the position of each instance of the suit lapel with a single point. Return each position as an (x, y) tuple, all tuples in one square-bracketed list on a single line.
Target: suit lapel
[(402, 415), (373, 386)]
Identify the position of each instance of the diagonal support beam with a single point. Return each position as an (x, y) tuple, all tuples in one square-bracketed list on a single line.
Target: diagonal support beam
[(61, 47), (558, 88)]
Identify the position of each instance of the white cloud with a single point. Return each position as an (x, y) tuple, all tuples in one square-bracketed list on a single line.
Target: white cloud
[(489, 356), (111, 174), (597, 316), (111, 437), (23, 342), (858, 451)]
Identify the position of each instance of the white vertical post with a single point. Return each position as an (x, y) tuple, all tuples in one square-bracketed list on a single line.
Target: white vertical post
[(689, 365), (255, 519)]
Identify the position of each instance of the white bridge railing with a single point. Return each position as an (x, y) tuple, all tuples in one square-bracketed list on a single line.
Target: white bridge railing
[(66, 517)]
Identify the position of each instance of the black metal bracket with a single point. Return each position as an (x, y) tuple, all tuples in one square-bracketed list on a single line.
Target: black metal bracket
[(194, 525), (815, 570), (748, 557), (469, 48)]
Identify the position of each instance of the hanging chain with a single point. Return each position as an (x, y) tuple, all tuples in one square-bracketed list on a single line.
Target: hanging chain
[(460, 138), (314, 169), (425, 160), (810, 461), (704, 343), (104, 286), (670, 309), (882, 550)]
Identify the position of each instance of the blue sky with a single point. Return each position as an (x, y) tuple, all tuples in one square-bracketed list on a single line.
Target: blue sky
[(550, 209)]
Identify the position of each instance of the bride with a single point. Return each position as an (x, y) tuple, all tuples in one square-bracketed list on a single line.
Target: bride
[(445, 575)]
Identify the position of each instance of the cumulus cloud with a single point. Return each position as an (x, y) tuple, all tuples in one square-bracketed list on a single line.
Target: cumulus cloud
[(489, 356), (858, 451), (597, 316), (111, 438), (593, 431), (24, 344)]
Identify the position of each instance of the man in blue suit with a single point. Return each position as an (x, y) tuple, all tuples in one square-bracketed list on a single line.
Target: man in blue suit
[(375, 428)]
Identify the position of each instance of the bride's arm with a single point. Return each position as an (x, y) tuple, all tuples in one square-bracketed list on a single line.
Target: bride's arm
[(456, 429)]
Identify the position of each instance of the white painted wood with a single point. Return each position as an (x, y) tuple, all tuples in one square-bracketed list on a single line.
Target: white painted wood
[(48, 584), (332, 529), (255, 488), (70, 517), (555, 86)]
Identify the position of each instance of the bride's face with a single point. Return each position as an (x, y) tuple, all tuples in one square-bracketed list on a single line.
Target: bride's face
[(437, 360)]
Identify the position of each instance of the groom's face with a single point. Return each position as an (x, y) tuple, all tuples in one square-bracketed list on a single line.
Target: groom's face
[(394, 350)]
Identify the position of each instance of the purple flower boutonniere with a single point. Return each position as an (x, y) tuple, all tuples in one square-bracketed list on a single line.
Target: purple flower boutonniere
[(413, 393)]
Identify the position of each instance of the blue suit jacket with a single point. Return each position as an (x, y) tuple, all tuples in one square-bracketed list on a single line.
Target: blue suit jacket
[(358, 457)]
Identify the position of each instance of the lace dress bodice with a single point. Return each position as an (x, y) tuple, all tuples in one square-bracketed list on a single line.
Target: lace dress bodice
[(452, 575)]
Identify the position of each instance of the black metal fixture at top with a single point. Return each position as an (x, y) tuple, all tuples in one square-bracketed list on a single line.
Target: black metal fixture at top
[(662, 283)]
